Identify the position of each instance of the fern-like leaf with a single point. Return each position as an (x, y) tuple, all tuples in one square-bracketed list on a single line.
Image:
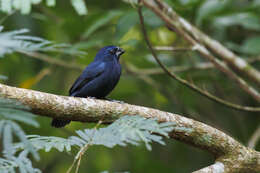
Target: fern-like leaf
[(25, 6), (17, 41), (7, 166), (8, 129), (2, 77), (24, 163), (13, 110), (47, 143), (126, 130)]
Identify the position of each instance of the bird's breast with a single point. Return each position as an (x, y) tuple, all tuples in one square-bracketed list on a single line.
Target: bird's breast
[(109, 79), (114, 72)]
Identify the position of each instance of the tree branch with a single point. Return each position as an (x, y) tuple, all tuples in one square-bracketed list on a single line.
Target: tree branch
[(182, 68), (186, 83), (174, 69), (176, 22), (93, 110), (226, 55), (167, 48), (215, 168), (53, 61)]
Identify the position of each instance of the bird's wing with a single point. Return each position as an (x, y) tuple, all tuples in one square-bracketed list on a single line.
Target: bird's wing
[(92, 71)]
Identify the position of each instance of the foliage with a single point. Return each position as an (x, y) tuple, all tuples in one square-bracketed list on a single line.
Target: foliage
[(25, 6), (105, 19), (2, 77), (47, 143), (234, 23), (17, 41), (7, 166), (126, 130), (11, 111)]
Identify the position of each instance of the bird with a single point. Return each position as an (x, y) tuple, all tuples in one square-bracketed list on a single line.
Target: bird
[(98, 79)]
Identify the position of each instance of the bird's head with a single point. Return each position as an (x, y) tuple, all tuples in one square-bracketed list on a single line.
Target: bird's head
[(108, 53)]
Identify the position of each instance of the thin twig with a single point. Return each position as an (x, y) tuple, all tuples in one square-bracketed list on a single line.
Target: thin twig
[(168, 48), (180, 24), (161, 11), (186, 83), (53, 61), (83, 150), (174, 69), (181, 68), (152, 71)]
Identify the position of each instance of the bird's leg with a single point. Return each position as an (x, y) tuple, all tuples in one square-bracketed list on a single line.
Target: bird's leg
[(117, 101)]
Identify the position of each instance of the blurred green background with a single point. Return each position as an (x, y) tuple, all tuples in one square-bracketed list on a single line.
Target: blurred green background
[(235, 23)]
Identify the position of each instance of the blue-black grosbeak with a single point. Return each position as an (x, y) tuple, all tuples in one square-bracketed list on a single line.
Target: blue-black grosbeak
[(98, 79)]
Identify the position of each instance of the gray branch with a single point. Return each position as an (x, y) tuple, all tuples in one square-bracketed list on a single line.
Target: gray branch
[(229, 152)]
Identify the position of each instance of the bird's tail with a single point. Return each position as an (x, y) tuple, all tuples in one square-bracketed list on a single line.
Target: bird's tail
[(58, 123)]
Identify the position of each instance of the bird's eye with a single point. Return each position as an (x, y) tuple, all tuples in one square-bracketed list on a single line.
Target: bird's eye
[(113, 51)]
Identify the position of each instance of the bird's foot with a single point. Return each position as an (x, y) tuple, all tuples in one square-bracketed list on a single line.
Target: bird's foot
[(116, 101)]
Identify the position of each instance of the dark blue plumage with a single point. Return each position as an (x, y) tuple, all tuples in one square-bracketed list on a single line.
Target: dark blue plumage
[(98, 79)]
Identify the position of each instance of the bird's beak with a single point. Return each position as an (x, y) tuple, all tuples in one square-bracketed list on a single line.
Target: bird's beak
[(119, 52)]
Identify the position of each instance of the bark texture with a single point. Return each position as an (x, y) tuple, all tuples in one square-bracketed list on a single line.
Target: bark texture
[(230, 154)]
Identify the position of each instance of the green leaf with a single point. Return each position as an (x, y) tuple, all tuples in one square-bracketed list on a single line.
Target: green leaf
[(51, 3), (2, 77), (103, 20), (10, 103), (256, 3), (247, 20), (87, 44), (6, 6), (125, 23), (22, 136), (17, 41), (250, 46), (17, 4), (24, 163), (8, 129), (13, 110), (188, 2), (132, 2), (26, 7), (79, 6), (18, 115), (47, 143), (7, 166), (151, 19), (209, 8), (126, 130), (2, 124), (8, 140), (36, 1)]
